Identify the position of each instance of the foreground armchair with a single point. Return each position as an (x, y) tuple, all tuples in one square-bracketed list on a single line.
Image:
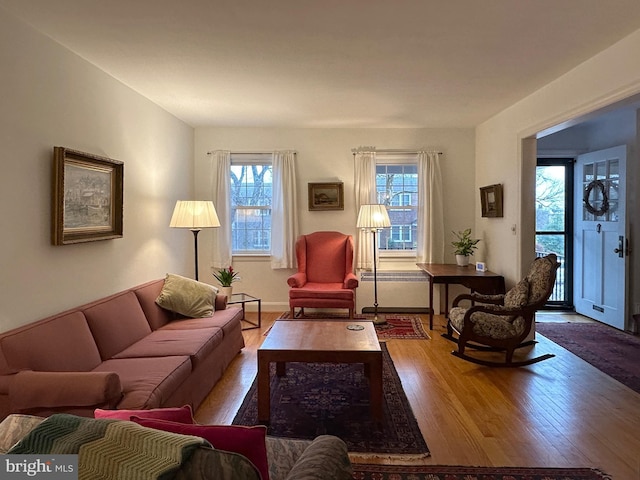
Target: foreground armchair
[(502, 322), (325, 277)]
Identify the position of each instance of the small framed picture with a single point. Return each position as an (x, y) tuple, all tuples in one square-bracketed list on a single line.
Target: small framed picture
[(481, 267), (326, 196), (491, 200), (87, 197)]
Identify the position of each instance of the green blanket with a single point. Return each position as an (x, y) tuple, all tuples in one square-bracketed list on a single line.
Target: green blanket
[(110, 449)]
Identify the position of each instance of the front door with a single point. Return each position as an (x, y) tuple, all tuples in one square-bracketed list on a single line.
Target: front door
[(600, 244)]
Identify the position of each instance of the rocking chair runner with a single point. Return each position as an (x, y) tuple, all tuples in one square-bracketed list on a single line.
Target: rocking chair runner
[(503, 322)]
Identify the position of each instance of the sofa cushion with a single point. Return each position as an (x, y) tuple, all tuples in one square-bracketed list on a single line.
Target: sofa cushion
[(156, 315), (63, 343), (116, 322), (247, 441), (227, 320), (198, 344), (187, 297), (182, 414), (148, 382)]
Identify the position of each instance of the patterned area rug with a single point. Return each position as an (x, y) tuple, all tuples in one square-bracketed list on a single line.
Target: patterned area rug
[(609, 350), (323, 398), (443, 472), (397, 326)]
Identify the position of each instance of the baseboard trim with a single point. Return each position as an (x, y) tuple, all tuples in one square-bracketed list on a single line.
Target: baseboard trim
[(397, 310)]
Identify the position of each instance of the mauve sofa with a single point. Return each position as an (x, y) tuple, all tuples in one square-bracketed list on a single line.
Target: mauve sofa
[(122, 351)]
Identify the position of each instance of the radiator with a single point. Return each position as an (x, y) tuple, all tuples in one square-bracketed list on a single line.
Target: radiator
[(397, 291)]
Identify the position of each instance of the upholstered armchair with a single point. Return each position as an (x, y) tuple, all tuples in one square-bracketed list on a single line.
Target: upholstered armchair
[(325, 277), (502, 322)]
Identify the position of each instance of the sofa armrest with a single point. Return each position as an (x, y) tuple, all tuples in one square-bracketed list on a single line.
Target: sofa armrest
[(325, 457), (350, 280), (297, 280), (220, 302), (30, 390)]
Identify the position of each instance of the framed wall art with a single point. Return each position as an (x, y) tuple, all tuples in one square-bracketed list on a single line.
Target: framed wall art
[(87, 197), (326, 196), (491, 199)]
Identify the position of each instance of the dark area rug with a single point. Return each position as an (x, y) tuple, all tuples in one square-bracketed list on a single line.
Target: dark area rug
[(324, 398), (398, 326), (445, 472), (610, 350)]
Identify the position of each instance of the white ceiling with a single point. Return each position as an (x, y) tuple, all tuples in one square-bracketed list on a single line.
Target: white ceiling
[(333, 63)]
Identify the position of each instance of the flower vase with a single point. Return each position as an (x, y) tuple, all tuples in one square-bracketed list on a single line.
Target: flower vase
[(228, 291)]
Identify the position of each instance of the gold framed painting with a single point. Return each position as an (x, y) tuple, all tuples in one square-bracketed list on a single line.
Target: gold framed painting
[(491, 200), (87, 199), (326, 196)]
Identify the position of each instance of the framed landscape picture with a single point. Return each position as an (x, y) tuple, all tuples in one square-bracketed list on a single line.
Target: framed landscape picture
[(491, 200), (326, 196), (87, 197)]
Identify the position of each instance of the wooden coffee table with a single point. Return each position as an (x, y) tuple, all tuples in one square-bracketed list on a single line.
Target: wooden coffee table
[(322, 341)]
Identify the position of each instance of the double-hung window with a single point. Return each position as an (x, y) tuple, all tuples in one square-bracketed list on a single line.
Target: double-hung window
[(397, 188), (251, 179)]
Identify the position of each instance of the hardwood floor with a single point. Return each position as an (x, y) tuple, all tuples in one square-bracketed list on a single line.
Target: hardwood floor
[(561, 412)]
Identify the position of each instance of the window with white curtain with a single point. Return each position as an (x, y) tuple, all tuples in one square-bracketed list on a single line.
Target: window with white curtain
[(251, 181), (397, 189)]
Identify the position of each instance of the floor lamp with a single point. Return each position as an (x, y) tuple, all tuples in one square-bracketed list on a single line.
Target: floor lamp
[(374, 217), (194, 215)]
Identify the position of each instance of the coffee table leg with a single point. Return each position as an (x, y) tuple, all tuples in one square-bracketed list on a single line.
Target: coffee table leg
[(264, 395), (375, 385)]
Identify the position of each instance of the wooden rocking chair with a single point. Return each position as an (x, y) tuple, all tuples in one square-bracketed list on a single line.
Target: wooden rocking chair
[(502, 322)]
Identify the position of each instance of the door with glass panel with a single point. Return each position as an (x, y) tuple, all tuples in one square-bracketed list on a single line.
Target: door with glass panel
[(601, 247), (554, 224)]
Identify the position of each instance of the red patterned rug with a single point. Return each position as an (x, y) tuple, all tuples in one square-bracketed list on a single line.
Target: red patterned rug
[(610, 350), (445, 472), (322, 398), (398, 326)]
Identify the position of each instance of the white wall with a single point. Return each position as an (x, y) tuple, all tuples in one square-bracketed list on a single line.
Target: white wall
[(325, 155), (503, 141), (51, 97)]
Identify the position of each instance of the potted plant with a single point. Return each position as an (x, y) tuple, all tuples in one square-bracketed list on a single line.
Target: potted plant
[(226, 277), (464, 246)]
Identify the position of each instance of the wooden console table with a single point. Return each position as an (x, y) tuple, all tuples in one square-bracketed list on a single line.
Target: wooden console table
[(487, 282)]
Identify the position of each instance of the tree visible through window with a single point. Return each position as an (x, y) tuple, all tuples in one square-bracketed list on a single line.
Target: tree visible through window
[(397, 188), (251, 193)]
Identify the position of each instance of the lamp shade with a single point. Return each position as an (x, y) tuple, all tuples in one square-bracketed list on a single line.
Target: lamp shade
[(373, 216), (194, 214)]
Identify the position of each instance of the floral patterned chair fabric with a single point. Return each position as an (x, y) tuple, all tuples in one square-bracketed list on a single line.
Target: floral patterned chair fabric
[(502, 322)]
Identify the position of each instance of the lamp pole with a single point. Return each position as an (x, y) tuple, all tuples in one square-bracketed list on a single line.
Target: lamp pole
[(375, 279), (196, 231)]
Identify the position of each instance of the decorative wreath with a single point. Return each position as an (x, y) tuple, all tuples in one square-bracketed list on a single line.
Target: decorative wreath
[(605, 199)]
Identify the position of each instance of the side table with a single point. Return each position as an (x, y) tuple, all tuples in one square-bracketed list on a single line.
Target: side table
[(245, 298)]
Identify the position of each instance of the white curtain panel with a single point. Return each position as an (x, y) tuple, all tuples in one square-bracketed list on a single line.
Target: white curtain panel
[(430, 242), (284, 215), (365, 193), (221, 194)]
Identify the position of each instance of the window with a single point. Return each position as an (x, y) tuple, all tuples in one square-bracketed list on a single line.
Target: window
[(397, 188), (251, 193)]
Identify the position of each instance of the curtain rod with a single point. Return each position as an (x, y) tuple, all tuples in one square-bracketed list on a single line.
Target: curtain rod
[(397, 150), (265, 152)]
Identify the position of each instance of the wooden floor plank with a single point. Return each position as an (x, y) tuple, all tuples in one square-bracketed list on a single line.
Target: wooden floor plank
[(561, 412)]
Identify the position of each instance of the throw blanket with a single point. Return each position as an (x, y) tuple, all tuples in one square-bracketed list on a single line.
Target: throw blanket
[(111, 449)]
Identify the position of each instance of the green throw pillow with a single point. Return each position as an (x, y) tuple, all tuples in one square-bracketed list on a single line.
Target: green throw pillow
[(187, 297)]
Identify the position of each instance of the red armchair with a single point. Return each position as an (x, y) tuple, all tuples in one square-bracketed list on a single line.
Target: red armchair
[(325, 277)]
